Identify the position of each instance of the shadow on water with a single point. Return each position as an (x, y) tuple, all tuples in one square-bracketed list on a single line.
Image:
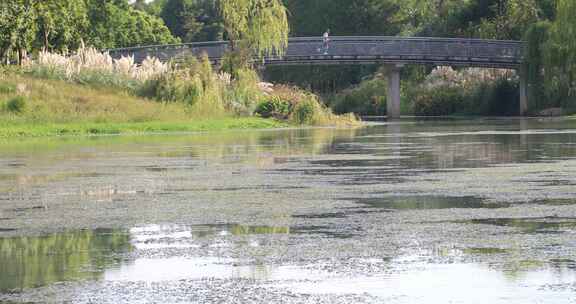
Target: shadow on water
[(427, 203), (551, 224), (399, 203)]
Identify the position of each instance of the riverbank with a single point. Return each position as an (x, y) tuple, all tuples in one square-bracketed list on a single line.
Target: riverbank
[(41, 100), (36, 107)]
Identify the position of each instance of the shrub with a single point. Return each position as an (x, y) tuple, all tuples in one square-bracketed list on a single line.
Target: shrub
[(440, 101), (274, 107), (16, 104), (245, 93), (305, 111), (369, 98), (496, 98), (304, 108)]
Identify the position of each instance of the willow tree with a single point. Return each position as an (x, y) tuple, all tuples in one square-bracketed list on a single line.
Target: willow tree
[(536, 38), (561, 51), (255, 28), (510, 21)]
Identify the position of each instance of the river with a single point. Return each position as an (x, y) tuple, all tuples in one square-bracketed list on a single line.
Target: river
[(414, 211)]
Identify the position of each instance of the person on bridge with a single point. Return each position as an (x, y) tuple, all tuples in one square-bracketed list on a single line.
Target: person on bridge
[(326, 41)]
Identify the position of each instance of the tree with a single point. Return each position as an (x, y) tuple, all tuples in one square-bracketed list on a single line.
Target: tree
[(17, 27), (114, 23), (343, 17), (61, 24), (140, 5), (536, 38), (510, 20), (561, 49), (192, 20), (417, 17), (260, 26)]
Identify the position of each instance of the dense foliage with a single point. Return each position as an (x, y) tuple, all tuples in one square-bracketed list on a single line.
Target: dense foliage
[(254, 27), (192, 20), (472, 91), (31, 25)]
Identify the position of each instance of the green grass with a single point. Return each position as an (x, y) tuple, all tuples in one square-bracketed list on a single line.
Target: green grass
[(82, 129), (34, 107)]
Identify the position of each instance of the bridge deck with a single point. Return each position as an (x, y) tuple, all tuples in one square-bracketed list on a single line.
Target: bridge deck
[(359, 50)]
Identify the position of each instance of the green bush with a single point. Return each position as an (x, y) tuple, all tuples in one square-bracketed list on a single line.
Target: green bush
[(305, 111), (369, 98), (500, 98), (16, 105), (440, 101), (497, 98), (274, 107)]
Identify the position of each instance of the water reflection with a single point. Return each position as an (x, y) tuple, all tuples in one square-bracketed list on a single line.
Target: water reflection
[(431, 275), (28, 262), (450, 283)]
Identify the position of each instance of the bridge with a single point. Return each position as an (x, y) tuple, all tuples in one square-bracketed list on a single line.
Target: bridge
[(395, 52)]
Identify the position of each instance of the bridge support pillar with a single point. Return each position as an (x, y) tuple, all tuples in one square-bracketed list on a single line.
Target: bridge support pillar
[(523, 91), (393, 100)]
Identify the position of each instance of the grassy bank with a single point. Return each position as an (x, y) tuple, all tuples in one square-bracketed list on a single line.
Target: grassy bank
[(31, 106), (91, 93)]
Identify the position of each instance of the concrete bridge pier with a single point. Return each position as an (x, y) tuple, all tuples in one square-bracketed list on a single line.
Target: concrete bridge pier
[(523, 73), (393, 100)]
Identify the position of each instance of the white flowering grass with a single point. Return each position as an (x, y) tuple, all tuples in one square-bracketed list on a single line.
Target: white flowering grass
[(468, 78), (91, 66)]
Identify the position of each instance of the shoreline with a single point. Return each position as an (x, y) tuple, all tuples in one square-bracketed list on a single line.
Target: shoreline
[(15, 131)]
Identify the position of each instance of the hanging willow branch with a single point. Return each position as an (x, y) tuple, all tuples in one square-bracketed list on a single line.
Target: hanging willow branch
[(259, 25)]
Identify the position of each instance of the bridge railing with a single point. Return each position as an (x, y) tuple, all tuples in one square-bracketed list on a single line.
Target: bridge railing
[(496, 53)]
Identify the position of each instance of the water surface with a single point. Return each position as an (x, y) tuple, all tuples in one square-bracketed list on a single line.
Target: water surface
[(435, 211)]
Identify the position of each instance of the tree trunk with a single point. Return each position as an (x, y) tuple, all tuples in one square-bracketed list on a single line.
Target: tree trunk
[(46, 45), (22, 53), (4, 56)]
